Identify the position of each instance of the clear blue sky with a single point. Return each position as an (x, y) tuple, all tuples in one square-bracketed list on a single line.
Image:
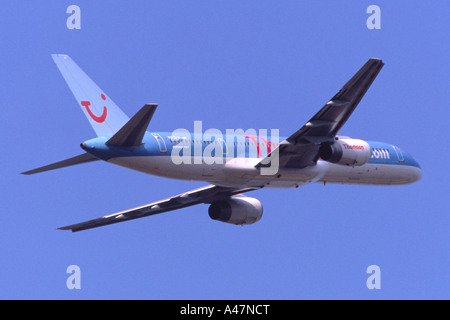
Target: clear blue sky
[(231, 64)]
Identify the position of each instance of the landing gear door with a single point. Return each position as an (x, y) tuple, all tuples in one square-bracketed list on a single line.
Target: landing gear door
[(161, 143)]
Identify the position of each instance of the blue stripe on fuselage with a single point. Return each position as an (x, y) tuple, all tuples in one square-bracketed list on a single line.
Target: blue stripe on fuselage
[(162, 144)]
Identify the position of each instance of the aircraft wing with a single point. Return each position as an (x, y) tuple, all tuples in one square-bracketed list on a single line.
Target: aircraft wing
[(301, 148), (205, 194)]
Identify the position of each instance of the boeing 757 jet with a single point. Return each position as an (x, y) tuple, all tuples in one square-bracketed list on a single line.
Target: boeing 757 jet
[(232, 164)]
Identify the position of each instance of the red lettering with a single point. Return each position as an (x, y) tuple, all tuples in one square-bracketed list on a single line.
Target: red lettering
[(100, 119), (269, 144), (353, 147), (255, 140)]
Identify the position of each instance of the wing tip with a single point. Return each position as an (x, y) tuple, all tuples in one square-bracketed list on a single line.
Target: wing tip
[(376, 61), (55, 55), (69, 228)]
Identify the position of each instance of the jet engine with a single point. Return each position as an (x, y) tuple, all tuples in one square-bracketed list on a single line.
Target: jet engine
[(237, 209), (350, 152)]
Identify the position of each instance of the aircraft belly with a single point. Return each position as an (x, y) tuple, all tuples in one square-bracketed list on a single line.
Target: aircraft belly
[(248, 176), (238, 175), (155, 165), (164, 166)]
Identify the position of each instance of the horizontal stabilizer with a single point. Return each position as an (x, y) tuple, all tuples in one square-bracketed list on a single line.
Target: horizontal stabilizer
[(83, 158), (131, 134)]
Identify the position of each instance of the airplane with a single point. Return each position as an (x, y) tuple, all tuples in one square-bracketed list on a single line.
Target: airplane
[(313, 154)]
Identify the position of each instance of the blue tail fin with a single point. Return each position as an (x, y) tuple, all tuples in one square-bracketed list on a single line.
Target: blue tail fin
[(103, 114)]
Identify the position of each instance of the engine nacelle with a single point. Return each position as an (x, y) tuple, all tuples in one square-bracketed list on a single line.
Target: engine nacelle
[(237, 209), (350, 152)]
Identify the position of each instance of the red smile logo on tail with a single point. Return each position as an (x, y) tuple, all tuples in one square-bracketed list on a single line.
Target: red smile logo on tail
[(99, 119)]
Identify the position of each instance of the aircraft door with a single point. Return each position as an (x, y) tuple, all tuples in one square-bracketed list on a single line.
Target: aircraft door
[(161, 143), (399, 154)]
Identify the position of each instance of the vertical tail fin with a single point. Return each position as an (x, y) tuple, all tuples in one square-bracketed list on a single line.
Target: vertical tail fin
[(103, 114)]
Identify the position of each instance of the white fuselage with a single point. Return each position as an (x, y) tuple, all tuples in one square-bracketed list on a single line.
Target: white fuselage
[(241, 172)]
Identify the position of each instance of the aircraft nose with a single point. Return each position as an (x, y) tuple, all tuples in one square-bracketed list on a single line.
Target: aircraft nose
[(416, 174), (415, 171)]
